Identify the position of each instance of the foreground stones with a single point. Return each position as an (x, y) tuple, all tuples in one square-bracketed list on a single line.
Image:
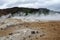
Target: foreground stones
[(23, 34)]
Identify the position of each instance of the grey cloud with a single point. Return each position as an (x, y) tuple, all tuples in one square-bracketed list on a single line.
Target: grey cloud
[(52, 4), (22, 3), (55, 7), (1, 2)]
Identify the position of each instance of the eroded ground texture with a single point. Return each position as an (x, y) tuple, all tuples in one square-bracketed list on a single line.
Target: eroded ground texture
[(16, 29)]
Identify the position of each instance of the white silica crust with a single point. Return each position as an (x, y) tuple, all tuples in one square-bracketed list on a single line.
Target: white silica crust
[(23, 33), (9, 22)]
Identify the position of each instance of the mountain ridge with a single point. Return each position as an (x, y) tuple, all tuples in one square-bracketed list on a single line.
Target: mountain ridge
[(18, 10)]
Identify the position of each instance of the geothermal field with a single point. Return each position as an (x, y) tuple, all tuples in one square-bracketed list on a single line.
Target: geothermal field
[(21, 24)]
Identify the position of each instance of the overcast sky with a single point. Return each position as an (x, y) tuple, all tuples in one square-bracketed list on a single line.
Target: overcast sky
[(51, 4)]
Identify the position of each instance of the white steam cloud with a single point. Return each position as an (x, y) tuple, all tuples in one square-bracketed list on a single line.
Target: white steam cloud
[(34, 17), (37, 17)]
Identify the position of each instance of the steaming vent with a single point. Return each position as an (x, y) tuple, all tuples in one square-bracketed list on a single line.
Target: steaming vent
[(30, 14)]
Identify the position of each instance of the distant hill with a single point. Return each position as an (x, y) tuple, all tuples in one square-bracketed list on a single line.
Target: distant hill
[(24, 10)]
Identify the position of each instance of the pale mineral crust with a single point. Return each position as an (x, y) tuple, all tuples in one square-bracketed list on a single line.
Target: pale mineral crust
[(16, 29)]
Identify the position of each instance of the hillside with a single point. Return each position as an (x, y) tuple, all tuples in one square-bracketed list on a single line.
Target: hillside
[(23, 10)]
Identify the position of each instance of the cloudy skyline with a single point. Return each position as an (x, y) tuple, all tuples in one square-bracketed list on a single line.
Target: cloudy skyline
[(50, 4)]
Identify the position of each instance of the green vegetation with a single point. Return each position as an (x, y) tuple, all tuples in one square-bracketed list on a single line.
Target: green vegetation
[(33, 11), (27, 11)]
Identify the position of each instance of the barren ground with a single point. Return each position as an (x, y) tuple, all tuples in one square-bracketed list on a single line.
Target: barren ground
[(20, 30)]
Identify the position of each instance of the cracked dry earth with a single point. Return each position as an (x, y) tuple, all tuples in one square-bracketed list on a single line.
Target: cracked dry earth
[(15, 29)]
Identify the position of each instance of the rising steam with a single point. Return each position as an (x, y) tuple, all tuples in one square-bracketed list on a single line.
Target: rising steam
[(34, 17)]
